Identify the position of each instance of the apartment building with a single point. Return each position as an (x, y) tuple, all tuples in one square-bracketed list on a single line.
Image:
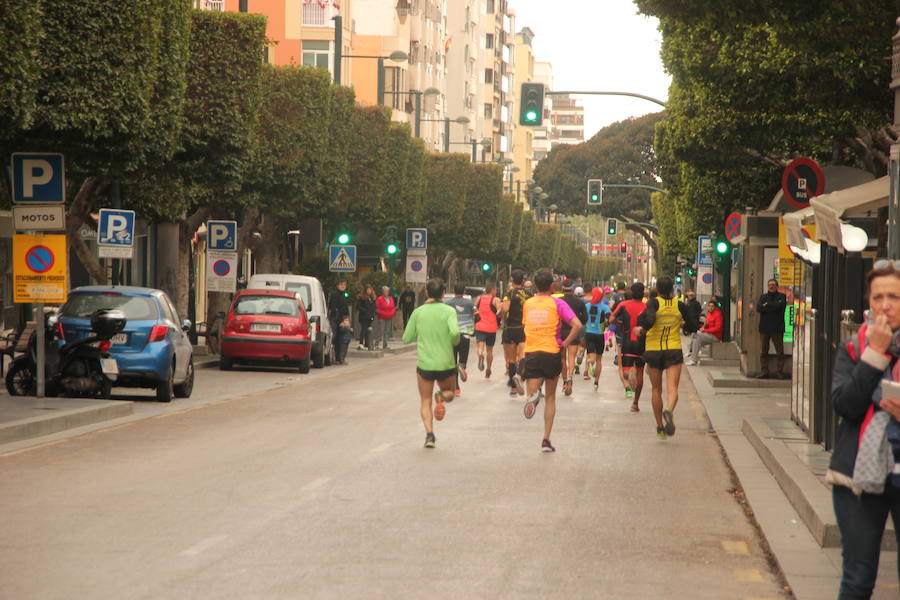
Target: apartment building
[(499, 77), (543, 73), (465, 75), (418, 28), (566, 120), (300, 32), (523, 137)]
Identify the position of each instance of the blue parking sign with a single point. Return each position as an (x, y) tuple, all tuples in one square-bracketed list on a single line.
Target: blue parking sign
[(417, 238), (221, 235), (116, 227), (38, 178)]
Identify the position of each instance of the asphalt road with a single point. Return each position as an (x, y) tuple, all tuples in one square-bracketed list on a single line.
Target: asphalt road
[(318, 487)]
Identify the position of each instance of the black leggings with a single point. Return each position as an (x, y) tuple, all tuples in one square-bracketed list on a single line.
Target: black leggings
[(461, 351)]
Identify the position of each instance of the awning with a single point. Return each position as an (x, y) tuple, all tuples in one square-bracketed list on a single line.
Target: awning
[(793, 226), (857, 200)]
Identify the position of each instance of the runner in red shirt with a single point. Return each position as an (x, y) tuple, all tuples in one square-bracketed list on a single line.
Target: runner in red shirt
[(486, 309), (625, 316)]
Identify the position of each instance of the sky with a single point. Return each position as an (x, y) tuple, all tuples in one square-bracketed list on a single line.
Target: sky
[(598, 45)]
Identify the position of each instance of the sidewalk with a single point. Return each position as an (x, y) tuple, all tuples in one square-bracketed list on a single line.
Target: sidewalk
[(782, 476)]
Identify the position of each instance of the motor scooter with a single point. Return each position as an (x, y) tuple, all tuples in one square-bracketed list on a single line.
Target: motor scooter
[(81, 367)]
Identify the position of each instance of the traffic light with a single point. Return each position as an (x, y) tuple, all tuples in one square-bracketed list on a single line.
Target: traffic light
[(595, 191), (343, 238), (485, 267), (629, 257), (623, 247), (689, 271), (678, 279), (392, 248), (531, 105), (612, 227), (722, 246)]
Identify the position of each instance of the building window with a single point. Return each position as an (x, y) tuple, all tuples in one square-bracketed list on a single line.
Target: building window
[(488, 111), (489, 76), (394, 81), (317, 54), (317, 13), (489, 41), (490, 7)]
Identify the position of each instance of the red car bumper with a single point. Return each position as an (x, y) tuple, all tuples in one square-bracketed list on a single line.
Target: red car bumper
[(257, 347)]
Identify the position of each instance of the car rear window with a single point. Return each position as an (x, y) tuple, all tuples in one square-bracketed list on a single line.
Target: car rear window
[(136, 308), (266, 305), (302, 289)]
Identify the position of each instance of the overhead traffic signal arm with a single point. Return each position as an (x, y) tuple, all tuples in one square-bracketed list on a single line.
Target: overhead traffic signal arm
[(531, 105)]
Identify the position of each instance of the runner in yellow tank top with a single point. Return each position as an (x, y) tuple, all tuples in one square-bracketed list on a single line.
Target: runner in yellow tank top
[(662, 321)]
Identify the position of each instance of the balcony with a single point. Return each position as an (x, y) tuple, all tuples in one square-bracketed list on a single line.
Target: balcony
[(217, 5), (407, 7), (318, 13)]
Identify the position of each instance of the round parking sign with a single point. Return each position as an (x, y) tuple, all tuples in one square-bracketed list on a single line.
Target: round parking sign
[(802, 180), (733, 226), (39, 259), (416, 266), (707, 278), (221, 268)]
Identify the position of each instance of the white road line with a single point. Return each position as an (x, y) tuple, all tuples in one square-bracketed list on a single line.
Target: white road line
[(381, 448), (203, 546), (315, 483)]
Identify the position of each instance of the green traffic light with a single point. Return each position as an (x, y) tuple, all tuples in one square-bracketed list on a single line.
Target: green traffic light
[(531, 115), (392, 249), (485, 267), (722, 247), (343, 238), (595, 197)]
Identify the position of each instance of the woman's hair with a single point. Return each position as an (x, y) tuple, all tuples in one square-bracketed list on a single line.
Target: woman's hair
[(435, 288), (889, 269), (665, 286)]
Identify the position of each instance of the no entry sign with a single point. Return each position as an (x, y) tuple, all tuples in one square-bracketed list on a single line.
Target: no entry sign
[(802, 179), (221, 271)]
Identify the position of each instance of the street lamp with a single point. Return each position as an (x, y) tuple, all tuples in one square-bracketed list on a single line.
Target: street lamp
[(475, 143), (446, 121), (396, 56), (432, 91), (512, 169)]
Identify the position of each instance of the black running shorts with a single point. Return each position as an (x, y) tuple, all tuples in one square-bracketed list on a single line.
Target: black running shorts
[(663, 359), (435, 375), (543, 365), (594, 343), (488, 338), (513, 335)]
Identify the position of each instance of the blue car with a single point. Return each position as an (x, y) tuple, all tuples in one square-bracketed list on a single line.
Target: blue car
[(153, 351)]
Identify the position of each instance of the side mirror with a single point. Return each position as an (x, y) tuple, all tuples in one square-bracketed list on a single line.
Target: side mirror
[(220, 315), (186, 325), (314, 319)]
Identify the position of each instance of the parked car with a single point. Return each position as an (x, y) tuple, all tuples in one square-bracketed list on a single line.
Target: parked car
[(313, 295), (267, 326), (152, 351)]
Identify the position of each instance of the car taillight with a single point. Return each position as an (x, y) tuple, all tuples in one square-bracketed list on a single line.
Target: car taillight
[(158, 333), (60, 331), (104, 345)]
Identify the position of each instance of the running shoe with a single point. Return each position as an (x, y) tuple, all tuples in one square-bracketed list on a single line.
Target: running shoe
[(661, 434), (531, 404), (481, 363), (463, 376), (429, 440), (567, 387), (616, 360), (546, 446), (578, 368), (439, 409), (513, 393), (518, 387), (593, 369), (587, 375), (635, 407), (596, 386), (487, 373), (629, 393), (457, 392), (669, 420)]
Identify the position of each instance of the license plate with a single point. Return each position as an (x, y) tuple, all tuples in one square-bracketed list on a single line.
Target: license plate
[(119, 338), (268, 327), (109, 366)]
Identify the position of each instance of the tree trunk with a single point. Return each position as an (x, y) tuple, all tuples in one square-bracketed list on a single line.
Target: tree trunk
[(78, 215), (186, 230)]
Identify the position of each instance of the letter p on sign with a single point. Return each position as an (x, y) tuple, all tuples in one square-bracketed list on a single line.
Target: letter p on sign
[(38, 178), (221, 235)]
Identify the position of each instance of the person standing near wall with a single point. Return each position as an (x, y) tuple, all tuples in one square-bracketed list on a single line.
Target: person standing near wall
[(771, 307), (407, 303), (365, 311), (386, 308)]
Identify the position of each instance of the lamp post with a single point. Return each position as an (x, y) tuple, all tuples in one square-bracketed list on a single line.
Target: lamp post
[(396, 56), (432, 91), (475, 144), (446, 121), (512, 169)]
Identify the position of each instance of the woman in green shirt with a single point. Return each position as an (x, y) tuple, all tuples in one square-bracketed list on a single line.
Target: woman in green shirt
[(433, 326)]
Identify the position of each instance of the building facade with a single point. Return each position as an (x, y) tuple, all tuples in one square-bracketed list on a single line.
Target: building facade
[(566, 121), (523, 137), (543, 73)]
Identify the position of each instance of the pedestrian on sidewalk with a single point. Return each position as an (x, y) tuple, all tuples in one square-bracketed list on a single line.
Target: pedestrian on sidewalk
[(866, 485), (343, 337), (407, 303), (598, 313), (366, 310), (487, 307), (434, 327), (465, 320), (631, 346), (694, 306), (661, 323), (771, 307), (386, 308), (709, 334), (338, 307), (543, 317)]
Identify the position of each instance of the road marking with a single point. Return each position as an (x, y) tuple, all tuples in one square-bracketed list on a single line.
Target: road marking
[(747, 575), (315, 483), (381, 448), (203, 546), (736, 547)]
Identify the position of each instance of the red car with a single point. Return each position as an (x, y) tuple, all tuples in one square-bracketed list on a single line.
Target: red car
[(266, 326)]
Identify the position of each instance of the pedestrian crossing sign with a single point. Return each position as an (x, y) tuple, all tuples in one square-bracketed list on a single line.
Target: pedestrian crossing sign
[(342, 259)]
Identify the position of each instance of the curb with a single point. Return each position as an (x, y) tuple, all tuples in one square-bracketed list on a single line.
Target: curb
[(65, 419)]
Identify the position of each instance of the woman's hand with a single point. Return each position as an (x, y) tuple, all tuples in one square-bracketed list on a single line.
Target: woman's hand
[(879, 334), (891, 406)]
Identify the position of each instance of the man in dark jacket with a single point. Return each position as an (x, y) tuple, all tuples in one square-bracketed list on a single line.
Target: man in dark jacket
[(338, 307), (694, 307), (771, 307)]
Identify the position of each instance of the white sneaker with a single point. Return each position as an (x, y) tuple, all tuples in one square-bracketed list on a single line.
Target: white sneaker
[(691, 363), (360, 347)]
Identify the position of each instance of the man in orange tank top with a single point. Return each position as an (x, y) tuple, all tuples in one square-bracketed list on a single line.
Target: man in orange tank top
[(543, 317), (486, 308)]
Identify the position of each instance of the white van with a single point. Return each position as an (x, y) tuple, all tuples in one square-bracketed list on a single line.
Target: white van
[(313, 295)]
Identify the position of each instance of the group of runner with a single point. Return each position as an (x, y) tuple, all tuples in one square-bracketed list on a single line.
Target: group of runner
[(548, 332)]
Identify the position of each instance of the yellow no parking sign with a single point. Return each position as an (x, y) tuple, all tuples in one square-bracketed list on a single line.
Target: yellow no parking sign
[(40, 268)]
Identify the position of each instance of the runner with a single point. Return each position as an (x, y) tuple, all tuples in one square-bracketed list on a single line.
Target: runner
[(579, 358), (632, 353), (598, 313), (465, 319), (513, 330), (661, 322), (578, 307), (487, 307), (543, 317), (433, 326)]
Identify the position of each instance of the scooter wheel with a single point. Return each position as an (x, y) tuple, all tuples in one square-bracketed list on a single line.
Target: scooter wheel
[(20, 380)]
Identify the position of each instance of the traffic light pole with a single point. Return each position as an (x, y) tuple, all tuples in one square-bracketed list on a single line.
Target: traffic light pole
[(641, 96)]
